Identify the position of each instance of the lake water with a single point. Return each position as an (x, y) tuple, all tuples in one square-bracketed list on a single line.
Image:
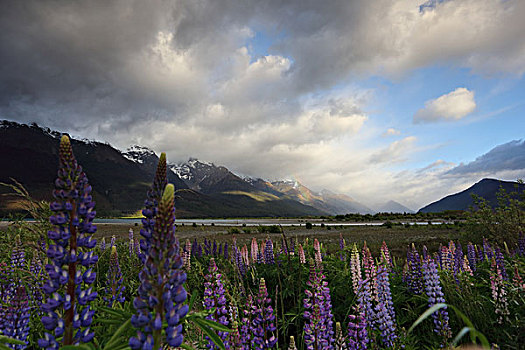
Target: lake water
[(254, 222)]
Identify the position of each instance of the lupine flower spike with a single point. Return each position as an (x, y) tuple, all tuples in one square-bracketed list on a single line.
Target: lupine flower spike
[(151, 206), (357, 332), (292, 344), (340, 341), (499, 292), (114, 287), (355, 268), (385, 314), (68, 315), (318, 328), (214, 298), (161, 293), (302, 258), (435, 296), (263, 320)]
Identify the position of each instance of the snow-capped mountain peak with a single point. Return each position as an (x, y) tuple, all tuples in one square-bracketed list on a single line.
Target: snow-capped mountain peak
[(138, 154)]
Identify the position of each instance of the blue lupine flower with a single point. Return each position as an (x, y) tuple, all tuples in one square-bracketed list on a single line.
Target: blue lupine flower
[(151, 206), (16, 317), (471, 256), (70, 255), (435, 296), (413, 277), (498, 255), (114, 287), (318, 328), (268, 252), (385, 314), (357, 332), (263, 320), (214, 298), (161, 293)]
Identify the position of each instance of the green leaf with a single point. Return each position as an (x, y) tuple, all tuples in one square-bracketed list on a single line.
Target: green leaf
[(121, 313), (7, 340), (210, 333), (187, 347), (4, 347), (115, 338), (215, 325), (192, 299), (460, 335), (427, 313), (75, 347)]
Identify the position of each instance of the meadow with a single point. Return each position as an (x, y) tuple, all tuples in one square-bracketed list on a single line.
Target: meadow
[(68, 284)]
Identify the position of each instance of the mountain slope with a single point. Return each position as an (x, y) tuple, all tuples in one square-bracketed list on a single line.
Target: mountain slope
[(120, 180), (486, 188), (393, 207)]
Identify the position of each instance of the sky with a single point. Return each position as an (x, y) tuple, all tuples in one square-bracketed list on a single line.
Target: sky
[(380, 100)]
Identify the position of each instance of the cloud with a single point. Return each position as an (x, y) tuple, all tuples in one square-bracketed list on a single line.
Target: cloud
[(396, 152), (391, 132), (449, 107), (180, 77), (506, 157)]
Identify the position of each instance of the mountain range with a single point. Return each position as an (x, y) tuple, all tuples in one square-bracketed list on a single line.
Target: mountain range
[(120, 180)]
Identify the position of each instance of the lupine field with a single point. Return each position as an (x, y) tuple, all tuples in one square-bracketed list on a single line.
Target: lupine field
[(61, 288)]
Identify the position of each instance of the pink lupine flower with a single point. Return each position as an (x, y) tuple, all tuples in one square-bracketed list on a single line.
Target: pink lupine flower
[(499, 293)]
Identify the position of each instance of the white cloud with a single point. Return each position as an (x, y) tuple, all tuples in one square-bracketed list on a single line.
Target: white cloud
[(397, 151), (449, 107), (391, 132)]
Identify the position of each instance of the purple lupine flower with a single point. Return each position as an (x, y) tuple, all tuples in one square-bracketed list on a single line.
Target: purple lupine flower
[(364, 298), (214, 298), (357, 332), (18, 254), (137, 247), (499, 293), (207, 247), (435, 296), (37, 271), (151, 207), (413, 278), (268, 252), (16, 317), (471, 256), (318, 327), (385, 314), (246, 325), (194, 247), (214, 251), (114, 287), (113, 240), (70, 257), (161, 293), (498, 255), (263, 320), (342, 255), (103, 244), (239, 263)]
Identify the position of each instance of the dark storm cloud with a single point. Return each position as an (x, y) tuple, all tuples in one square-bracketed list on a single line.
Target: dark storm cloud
[(508, 156)]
